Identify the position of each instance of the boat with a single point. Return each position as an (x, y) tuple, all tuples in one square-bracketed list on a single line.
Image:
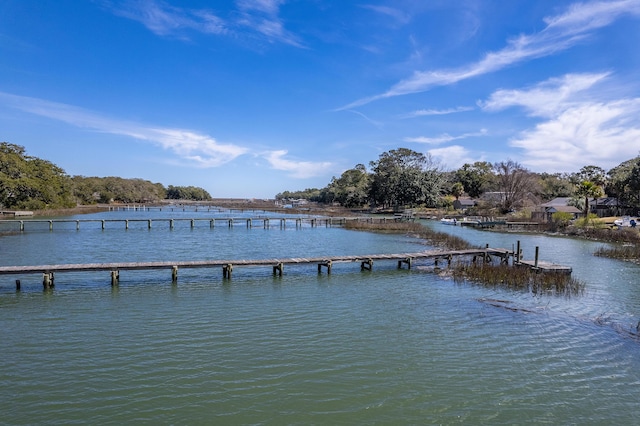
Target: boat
[(449, 221)]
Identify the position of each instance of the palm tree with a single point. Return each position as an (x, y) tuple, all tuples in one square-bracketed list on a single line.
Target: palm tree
[(588, 189)]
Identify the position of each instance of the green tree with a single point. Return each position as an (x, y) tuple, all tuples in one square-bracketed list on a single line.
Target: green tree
[(192, 193), (476, 178), (553, 185), (30, 182), (457, 190), (403, 177), (624, 183), (352, 188), (589, 182), (587, 189)]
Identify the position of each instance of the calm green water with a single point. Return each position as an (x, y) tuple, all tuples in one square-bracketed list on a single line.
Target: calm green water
[(383, 347)]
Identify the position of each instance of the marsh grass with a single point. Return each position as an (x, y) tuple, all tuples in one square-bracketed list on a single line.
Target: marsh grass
[(520, 279), (627, 252), (435, 238)]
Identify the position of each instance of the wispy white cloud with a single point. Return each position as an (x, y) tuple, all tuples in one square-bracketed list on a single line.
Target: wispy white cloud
[(163, 19), (548, 98), (561, 32), (398, 15), (262, 16), (192, 147), (580, 127), (375, 123), (296, 169), (445, 138), (428, 112)]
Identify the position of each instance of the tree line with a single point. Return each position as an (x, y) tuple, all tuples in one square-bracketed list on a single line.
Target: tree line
[(31, 183), (402, 178)]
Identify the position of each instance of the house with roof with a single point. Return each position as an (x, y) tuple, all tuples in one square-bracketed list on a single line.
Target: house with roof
[(544, 212), (464, 204)]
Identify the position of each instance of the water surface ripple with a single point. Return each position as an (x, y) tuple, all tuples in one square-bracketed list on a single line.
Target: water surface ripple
[(382, 347)]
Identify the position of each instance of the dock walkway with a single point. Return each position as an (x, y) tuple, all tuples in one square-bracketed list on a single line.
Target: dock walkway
[(366, 263)]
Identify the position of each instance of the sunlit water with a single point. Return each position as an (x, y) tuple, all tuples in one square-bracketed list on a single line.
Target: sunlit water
[(388, 346)]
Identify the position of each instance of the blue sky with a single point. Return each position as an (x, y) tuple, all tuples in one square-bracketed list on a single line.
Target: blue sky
[(248, 98)]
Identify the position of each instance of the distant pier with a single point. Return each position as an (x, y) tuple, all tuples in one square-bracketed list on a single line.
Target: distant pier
[(262, 222)]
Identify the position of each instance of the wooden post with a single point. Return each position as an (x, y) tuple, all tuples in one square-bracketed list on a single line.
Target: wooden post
[(77, 225), (212, 223), (103, 224), (174, 274), (50, 225), (22, 226), (126, 224), (171, 224), (407, 261), (226, 270), (277, 269), (266, 223), (535, 262), (193, 223), (327, 264), (149, 222), (230, 223), (517, 258), (17, 285), (47, 280), (115, 278), (366, 264)]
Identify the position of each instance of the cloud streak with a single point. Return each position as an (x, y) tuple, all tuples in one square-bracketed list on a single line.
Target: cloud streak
[(195, 148), (164, 19), (445, 138), (562, 31), (296, 169), (429, 112)]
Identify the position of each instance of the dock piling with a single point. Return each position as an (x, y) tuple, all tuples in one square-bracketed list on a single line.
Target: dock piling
[(115, 278), (226, 271), (277, 269)]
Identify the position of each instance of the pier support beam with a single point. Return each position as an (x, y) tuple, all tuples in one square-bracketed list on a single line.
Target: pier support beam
[(47, 280), (227, 270), (366, 265), (115, 278), (406, 261), (327, 264), (174, 274), (278, 269)]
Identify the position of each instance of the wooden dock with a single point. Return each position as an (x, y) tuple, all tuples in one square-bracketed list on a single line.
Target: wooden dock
[(262, 222), (366, 263)]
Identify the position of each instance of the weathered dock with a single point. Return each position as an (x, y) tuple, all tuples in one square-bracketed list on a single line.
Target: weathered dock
[(485, 255), (366, 263), (263, 222)]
